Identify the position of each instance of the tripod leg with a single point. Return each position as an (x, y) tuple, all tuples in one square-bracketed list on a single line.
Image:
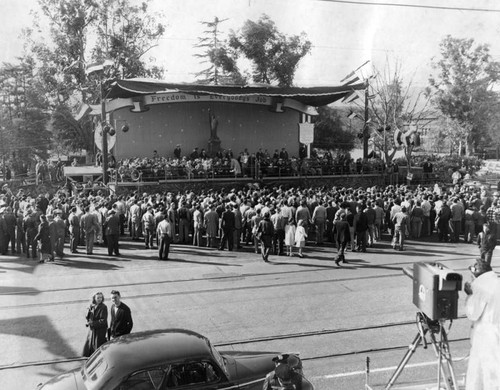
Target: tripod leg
[(442, 350), (411, 350)]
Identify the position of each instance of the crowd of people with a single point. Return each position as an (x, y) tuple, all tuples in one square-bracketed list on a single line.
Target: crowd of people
[(225, 163), (272, 221), (278, 221)]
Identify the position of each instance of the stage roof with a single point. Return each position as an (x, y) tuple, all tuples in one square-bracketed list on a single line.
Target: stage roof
[(313, 96)]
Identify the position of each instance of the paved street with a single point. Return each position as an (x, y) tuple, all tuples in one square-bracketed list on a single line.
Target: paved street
[(335, 317)]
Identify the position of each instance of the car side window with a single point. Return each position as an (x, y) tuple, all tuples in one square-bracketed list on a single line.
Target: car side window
[(149, 379), (191, 373)]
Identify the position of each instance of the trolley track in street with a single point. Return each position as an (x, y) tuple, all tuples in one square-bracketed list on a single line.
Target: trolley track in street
[(258, 340), (399, 267)]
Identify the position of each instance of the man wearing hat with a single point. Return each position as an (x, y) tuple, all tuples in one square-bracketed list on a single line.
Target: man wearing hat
[(482, 307), (283, 376), (112, 231)]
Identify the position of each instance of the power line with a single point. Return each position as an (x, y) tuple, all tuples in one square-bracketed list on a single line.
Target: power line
[(414, 6)]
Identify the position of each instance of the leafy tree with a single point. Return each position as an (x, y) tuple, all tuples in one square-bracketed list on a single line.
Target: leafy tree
[(331, 133), (463, 86), (126, 33), (274, 55), (82, 32), (23, 132), (221, 60)]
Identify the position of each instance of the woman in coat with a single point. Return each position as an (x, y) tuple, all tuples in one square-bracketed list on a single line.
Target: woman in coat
[(97, 322), (43, 238)]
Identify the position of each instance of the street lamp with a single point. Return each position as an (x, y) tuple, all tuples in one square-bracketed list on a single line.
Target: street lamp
[(99, 68)]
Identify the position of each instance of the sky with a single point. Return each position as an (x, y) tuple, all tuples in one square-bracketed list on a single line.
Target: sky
[(344, 34)]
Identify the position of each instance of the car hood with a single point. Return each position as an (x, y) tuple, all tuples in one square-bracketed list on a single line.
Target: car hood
[(250, 366), (71, 380)]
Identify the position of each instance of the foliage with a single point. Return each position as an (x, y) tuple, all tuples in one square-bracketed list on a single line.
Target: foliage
[(464, 91), (126, 33), (82, 32), (274, 55), (23, 132), (71, 134), (331, 133), (221, 59)]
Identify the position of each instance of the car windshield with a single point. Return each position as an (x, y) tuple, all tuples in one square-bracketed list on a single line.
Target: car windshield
[(218, 357), (94, 370)]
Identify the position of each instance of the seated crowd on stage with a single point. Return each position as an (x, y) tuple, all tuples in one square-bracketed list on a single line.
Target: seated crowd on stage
[(227, 164), (215, 218)]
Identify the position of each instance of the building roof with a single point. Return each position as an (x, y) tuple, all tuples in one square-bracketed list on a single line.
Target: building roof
[(311, 96)]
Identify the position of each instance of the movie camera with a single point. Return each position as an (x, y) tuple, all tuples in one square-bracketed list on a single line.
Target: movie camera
[(435, 290), (435, 293)]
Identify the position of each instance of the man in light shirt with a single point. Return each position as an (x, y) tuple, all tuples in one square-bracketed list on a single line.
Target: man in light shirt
[(165, 236)]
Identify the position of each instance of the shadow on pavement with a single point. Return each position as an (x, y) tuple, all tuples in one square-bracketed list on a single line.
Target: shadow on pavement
[(40, 328), (14, 290), (82, 264)]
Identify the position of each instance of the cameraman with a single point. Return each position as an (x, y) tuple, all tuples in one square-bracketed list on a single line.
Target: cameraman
[(284, 376), (483, 309)]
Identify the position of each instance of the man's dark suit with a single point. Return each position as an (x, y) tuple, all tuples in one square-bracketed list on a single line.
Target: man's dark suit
[(342, 237), (112, 231), (227, 225), (121, 321)]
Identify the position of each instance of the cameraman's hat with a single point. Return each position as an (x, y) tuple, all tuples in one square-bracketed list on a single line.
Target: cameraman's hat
[(281, 358)]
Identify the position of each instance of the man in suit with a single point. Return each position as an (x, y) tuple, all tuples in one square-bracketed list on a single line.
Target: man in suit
[(342, 237), (211, 221), (227, 226), (90, 225), (112, 230), (121, 317)]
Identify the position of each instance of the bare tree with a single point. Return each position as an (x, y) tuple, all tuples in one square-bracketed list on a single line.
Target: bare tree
[(395, 108)]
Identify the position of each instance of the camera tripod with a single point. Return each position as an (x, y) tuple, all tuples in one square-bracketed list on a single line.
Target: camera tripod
[(439, 340)]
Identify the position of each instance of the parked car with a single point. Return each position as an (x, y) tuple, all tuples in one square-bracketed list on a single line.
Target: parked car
[(168, 359)]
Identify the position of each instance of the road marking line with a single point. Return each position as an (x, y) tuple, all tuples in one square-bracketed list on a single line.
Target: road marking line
[(382, 369)]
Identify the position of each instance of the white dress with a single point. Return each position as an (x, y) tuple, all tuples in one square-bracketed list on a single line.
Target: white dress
[(300, 237), (289, 235)]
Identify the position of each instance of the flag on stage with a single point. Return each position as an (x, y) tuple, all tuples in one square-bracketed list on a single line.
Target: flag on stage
[(398, 138), (82, 111), (355, 75), (352, 115), (98, 66), (351, 97)]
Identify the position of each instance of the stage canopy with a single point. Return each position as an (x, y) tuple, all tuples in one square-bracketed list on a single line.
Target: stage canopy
[(313, 96)]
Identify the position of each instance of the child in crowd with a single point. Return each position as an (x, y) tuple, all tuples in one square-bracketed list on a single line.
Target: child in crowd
[(300, 237)]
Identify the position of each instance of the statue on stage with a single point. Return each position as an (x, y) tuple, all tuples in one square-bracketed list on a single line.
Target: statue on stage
[(214, 123), (214, 141)]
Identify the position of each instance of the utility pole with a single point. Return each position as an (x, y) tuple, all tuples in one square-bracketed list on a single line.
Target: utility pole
[(105, 131), (366, 134)]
